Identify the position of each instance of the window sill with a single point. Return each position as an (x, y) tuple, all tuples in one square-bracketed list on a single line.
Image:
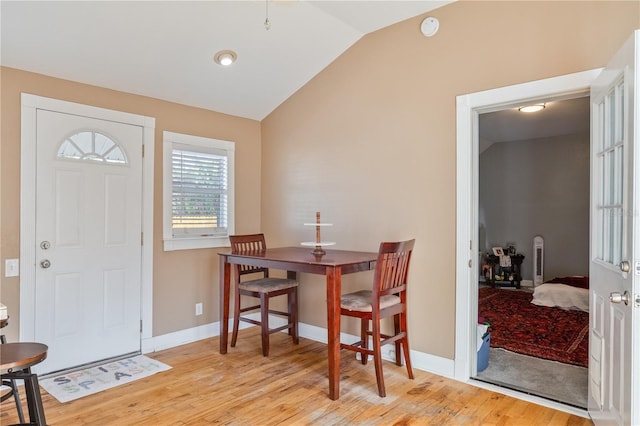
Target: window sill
[(195, 243)]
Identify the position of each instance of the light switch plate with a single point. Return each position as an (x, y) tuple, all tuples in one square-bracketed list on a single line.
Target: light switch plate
[(11, 267)]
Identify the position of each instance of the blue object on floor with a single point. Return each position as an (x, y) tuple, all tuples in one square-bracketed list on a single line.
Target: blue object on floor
[(483, 353)]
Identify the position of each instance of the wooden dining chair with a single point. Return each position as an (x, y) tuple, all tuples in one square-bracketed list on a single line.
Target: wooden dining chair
[(388, 298), (262, 288)]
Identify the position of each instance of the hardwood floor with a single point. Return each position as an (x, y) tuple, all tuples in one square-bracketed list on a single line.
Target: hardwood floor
[(290, 388)]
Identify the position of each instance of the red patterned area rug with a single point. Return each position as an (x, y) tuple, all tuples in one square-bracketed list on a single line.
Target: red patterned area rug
[(519, 326)]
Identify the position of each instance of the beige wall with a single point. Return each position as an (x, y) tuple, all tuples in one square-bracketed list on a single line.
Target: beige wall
[(370, 141), (181, 278)]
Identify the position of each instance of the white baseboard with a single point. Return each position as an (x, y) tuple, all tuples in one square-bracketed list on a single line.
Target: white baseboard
[(421, 361), (526, 283), (182, 337)]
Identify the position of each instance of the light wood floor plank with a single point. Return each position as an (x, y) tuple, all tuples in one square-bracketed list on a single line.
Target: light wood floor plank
[(290, 387)]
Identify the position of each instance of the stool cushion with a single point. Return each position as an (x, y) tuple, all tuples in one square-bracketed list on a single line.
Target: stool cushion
[(267, 285), (361, 301)]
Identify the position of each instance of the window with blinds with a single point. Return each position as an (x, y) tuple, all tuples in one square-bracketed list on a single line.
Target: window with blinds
[(198, 191)]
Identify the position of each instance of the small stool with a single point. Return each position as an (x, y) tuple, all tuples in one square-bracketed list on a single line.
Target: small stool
[(16, 360), (11, 384)]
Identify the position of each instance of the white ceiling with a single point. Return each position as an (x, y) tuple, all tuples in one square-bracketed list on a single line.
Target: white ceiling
[(165, 49)]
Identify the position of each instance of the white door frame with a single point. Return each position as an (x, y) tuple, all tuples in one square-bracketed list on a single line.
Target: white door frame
[(468, 108), (30, 104)]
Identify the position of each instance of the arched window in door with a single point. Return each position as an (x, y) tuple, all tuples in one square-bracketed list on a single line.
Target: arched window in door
[(92, 146)]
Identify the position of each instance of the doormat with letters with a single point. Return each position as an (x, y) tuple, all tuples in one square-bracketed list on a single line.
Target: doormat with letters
[(72, 385)]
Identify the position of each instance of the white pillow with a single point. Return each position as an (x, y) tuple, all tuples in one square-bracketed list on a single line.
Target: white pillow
[(561, 296)]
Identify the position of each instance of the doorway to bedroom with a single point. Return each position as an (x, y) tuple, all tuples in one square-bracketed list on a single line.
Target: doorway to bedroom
[(533, 184)]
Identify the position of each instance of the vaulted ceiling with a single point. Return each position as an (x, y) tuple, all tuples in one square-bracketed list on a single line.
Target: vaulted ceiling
[(165, 49)]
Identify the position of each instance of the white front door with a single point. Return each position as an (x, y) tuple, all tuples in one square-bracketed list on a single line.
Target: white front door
[(88, 238), (614, 240)]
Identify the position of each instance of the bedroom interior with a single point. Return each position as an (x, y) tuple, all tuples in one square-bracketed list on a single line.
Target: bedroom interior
[(534, 192)]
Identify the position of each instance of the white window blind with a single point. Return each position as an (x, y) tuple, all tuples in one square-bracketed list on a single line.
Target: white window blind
[(198, 192)]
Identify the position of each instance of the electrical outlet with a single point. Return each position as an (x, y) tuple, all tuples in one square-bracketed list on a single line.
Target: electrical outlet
[(392, 354), (11, 267), (198, 308)]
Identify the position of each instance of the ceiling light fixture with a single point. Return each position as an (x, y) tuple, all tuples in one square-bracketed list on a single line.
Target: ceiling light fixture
[(532, 108), (225, 57)]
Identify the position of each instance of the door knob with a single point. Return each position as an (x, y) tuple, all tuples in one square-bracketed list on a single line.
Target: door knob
[(616, 297), (624, 266), (45, 263)]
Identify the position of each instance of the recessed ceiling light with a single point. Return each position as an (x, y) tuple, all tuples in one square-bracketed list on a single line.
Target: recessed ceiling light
[(532, 108), (225, 57)]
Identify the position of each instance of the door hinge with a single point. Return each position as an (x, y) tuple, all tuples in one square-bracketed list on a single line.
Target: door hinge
[(143, 151), (140, 326), (142, 238)]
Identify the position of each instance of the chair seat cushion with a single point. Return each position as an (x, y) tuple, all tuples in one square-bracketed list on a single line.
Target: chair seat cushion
[(267, 285), (361, 301)]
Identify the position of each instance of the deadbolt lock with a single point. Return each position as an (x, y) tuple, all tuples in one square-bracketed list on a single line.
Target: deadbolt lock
[(624, 266), (616, 297)]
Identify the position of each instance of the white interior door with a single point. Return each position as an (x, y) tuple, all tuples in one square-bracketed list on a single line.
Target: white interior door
[(614, 234), (88, 238)]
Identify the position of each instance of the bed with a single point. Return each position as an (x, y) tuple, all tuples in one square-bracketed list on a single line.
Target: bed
[(563, 292)]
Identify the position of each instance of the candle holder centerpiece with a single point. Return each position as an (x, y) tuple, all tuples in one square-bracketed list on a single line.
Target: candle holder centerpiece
[(318, 243)]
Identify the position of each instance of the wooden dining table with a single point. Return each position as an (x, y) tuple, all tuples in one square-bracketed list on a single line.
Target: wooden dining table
[(333, 264)]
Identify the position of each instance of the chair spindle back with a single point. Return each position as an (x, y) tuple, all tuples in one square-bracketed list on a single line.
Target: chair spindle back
[(249, 244), (392, 267)]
